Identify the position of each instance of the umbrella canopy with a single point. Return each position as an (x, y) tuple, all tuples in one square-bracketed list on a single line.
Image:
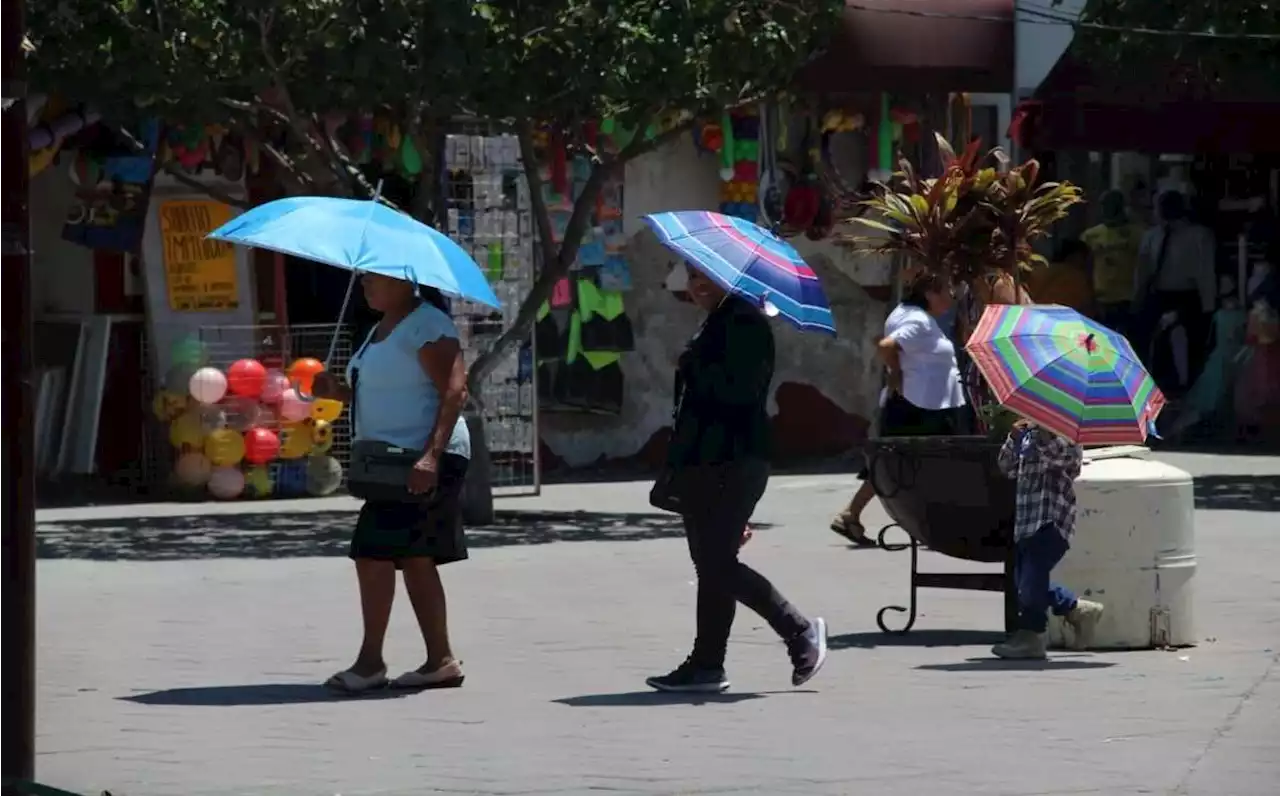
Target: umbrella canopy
[(749, 261), (361, 236), (1071, 375)]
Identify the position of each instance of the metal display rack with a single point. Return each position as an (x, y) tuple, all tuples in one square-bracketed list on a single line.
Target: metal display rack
[(489, 215)]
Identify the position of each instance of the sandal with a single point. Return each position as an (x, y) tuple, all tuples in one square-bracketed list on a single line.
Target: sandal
[(852, 530), (447, 675), (348, 682)]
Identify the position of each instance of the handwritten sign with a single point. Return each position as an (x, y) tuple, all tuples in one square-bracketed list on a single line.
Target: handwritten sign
[(201, 273)]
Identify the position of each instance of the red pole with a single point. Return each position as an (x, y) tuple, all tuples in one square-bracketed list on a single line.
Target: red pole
[(19, 505)]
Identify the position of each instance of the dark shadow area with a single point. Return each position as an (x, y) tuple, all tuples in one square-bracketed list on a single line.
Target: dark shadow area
[(256, 694), (642, 699), (1001, 665), (1238, 492), (319, 533), (916, 638)]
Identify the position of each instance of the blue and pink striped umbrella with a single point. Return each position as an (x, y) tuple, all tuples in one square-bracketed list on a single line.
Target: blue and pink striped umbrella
[(749, 261)]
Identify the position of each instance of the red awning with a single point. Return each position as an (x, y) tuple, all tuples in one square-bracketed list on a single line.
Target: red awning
[(917, 46), (1159, 110)]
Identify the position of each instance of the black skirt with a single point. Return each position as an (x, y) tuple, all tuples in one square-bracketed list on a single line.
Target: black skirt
[(901, 418), (430, 528)]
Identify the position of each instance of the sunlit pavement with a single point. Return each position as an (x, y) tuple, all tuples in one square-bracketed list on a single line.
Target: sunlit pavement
[(166, 674)]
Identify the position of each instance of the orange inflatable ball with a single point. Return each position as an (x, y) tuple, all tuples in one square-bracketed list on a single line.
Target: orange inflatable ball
[(261, 445), (303, 373), (246, 378)]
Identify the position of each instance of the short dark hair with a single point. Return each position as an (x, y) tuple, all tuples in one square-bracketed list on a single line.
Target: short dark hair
[(435, 298), (916, 294), (1172, 205)]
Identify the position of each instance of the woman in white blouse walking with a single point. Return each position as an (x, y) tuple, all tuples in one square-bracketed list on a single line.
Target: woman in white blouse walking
[(924, 395)]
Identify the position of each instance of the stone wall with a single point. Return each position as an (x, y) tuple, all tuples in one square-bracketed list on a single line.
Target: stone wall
[(824, 388)]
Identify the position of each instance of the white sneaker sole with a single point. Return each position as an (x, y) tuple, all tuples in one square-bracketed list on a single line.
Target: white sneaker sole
[(822, 653), (698, 688)]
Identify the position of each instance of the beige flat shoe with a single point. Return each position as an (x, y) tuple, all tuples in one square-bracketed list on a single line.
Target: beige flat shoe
[(448, 675)]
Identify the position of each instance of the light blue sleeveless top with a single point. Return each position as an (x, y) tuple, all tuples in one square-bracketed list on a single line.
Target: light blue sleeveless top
[(396, 402)]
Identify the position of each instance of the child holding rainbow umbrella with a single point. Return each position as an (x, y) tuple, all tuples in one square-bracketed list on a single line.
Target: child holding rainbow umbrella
[(1074, 382)]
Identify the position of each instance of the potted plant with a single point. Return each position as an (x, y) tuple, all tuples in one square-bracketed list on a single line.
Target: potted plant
[(976, 222)]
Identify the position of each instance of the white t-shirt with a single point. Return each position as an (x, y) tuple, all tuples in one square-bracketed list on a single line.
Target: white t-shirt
[(930, 377)]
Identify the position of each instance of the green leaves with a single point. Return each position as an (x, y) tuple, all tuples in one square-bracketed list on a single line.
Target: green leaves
[(970, 219)]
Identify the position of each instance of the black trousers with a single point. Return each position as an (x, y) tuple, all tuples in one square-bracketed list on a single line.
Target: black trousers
[(1192, 318), (726, 497)]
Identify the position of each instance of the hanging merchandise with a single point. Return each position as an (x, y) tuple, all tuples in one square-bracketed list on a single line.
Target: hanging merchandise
[(740, 170), (490, 215), (590, 381), (772, 128), (800, 208), (605, 326)]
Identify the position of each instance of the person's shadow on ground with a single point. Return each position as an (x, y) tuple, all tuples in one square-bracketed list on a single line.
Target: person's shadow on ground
[(257, 694)]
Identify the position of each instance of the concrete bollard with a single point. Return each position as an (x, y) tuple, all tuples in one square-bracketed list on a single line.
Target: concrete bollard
[(1133, 550)]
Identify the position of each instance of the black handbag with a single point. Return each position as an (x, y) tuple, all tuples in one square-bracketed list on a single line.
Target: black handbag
[(380, 471), (669, 492)]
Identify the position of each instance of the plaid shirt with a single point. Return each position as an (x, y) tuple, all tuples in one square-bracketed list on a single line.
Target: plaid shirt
[(1045, 466)]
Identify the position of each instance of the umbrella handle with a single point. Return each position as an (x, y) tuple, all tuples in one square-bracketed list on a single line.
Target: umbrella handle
[(342, 313)]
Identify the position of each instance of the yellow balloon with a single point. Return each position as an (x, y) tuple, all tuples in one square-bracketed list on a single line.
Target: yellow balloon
[(187, 430), (321, 436), (167, 405), (326, 409), (224, 448), (257, 482), (295, 440)]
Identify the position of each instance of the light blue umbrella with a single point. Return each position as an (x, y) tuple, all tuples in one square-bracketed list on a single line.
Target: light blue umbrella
[(363, 237)]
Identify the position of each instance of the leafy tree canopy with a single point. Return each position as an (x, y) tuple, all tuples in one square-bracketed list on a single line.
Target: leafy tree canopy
[(285, 65), (1144, 32)]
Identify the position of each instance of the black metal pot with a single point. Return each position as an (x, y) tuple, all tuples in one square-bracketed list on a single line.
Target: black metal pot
[(946, 492)]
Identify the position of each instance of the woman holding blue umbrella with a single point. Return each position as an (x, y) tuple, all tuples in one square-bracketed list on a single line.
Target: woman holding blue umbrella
[(718, 456), (407, 385)]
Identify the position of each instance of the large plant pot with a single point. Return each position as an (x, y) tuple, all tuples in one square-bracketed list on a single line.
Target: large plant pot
[(947, 493)]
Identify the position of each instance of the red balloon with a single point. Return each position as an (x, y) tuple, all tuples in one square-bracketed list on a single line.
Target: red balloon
[(246, 377), (261, 445)]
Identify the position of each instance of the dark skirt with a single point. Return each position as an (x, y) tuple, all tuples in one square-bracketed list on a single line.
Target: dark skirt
[(429, 528), (901, 418)]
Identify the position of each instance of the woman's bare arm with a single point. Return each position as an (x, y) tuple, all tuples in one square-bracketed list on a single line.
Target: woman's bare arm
[(443, 363)]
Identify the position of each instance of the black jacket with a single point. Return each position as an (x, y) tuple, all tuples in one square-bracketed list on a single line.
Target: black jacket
[(722, 389)]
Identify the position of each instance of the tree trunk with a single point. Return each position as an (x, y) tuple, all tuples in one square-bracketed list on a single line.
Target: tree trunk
[(477, 492)]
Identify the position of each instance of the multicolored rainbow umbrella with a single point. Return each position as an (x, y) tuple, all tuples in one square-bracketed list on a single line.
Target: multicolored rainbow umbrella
[(750, 261), (1071, 375)]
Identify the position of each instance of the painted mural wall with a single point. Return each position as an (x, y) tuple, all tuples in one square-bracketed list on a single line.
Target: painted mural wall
[(824, 389)]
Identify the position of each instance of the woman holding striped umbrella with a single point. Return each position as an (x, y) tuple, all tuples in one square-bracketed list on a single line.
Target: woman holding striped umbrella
[(718, 457)]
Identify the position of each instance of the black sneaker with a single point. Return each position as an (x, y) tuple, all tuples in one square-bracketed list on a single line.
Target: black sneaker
[(688, 677), (808, 652)]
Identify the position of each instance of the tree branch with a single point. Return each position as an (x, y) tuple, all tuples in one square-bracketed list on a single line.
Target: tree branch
[(538, 201)]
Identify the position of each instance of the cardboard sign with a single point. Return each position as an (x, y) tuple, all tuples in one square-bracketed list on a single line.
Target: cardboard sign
[(200, 273)]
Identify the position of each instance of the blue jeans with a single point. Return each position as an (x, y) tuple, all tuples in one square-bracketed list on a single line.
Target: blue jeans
[(1034, 558)]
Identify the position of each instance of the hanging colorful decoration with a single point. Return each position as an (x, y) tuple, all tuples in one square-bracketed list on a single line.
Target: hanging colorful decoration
[(739, 164)]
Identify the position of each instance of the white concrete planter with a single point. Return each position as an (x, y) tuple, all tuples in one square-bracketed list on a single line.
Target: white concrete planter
[(1134, 551)]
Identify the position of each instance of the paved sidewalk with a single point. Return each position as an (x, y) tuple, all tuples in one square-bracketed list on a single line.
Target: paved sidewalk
[(171, 663)]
